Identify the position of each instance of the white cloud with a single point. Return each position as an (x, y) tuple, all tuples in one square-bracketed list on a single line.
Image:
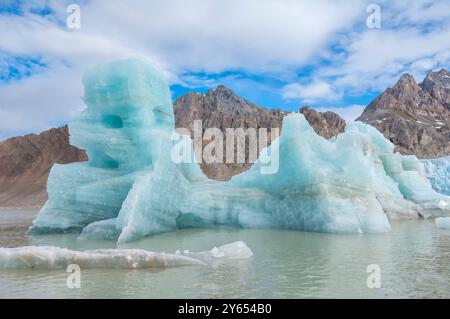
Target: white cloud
[(37, 103), (311, 92), (256, 36), (414, 39)]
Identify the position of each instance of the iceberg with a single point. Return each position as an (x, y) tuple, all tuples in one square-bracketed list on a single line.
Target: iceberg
[(438, 172), (131, 187), (50, 257)]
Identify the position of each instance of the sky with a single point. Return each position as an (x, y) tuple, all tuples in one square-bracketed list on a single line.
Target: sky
[(276, 53)]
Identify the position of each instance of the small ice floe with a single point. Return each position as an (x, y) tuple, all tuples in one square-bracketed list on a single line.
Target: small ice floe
[(235, 250), (49, 257), (443, 222)]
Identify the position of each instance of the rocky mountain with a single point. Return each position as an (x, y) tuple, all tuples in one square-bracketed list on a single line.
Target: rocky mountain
[(415, 117), (222, 108), (25, 163), (326, 124)]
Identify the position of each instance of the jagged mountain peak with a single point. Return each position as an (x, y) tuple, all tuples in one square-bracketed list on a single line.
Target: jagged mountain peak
[(327, 124), (406, 84), (437, 84), (221, 99), (415, 117)]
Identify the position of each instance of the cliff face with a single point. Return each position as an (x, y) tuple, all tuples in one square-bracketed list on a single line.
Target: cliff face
[(25, 163), (415, 117)]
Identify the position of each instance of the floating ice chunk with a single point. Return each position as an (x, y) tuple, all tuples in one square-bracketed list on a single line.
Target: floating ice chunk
[(35, 257), (443, 222), (235, 250), (102, 230), (49, 257)]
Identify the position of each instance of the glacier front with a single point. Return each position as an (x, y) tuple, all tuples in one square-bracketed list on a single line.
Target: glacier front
[(131, 187)]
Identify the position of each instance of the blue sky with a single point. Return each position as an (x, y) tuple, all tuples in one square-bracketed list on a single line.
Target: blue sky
[(276, 53)]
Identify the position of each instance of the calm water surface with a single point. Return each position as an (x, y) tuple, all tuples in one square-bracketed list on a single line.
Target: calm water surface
[(414, 260)]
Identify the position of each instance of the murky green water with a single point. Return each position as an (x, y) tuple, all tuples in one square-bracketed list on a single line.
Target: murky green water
[(414, 260)]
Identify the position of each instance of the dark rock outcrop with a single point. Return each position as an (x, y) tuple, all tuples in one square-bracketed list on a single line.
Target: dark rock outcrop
[(25, 163), (326, 124), (222, 108), (415, 117)]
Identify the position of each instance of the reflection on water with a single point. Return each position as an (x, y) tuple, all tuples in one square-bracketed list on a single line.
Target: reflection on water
[(414, 260)]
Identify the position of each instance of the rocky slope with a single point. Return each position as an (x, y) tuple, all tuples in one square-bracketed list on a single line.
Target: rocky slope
[(222, 108), (25, 163), (415, 117), (326, 124)]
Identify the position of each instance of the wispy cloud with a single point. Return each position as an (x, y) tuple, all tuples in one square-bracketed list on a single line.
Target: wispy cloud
[(315, 91)]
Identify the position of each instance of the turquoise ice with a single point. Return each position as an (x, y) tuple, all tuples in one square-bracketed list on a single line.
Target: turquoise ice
[(132, 188), (438, 172)]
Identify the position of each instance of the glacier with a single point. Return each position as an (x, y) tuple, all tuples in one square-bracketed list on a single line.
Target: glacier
[(438, 172), (131, 187)]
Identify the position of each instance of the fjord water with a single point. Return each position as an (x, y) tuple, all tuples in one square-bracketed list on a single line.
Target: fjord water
[(414, 259)]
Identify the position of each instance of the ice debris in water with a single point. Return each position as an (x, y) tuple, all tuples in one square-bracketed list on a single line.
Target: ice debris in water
[(438, 172), (234, 250), (48, 257), (443, 222), (42, 257), (130, 188)]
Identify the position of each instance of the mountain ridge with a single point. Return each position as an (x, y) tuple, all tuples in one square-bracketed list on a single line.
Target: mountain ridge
[(415, 117)]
